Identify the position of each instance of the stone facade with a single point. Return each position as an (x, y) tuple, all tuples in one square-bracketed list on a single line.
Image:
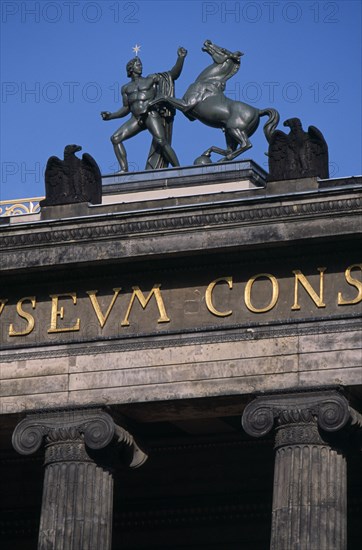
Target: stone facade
[(189, 299)]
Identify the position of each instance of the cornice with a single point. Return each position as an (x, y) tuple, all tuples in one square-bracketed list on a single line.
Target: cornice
[(115, 226)]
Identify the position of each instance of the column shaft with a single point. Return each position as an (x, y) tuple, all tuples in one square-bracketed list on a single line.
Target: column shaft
[(76, 508), (309, 499)]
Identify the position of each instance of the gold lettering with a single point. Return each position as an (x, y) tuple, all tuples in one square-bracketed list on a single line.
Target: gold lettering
[(55, 312), (208, 297), (137, 293), (24, 315), (275, 293), (299, 277), (353, 282), (2, 304), (93, 298)]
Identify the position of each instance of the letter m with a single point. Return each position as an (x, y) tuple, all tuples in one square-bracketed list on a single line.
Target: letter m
[(137, 293)]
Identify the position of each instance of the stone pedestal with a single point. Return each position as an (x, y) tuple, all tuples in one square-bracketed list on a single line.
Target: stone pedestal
[(310, 493), (77, 499)]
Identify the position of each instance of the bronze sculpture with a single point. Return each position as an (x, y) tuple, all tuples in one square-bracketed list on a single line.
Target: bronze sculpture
[(73, 179), (298, 154), (152, 104), (204, 100), (137, 96)]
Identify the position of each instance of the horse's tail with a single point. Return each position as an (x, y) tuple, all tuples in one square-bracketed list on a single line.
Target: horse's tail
[(272, 123)]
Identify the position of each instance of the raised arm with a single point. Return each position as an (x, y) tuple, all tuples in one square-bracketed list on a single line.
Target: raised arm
[(123, 111), (177, 68)]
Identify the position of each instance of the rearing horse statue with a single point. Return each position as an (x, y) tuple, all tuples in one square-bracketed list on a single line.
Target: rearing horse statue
[(205, 100)]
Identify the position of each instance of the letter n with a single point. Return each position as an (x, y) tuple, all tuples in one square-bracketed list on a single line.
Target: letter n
[(300, 278)]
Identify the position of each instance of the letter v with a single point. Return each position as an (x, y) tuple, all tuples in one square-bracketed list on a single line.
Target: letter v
[(93, 298)]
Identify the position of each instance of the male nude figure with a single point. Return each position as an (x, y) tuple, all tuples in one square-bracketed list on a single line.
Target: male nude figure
[(137, 95)]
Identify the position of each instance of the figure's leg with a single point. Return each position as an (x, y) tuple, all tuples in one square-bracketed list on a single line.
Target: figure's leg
[(154, 124), (214, 149), (231, 146), (121, 155), (239, 137), (230, 142), (126, 131)]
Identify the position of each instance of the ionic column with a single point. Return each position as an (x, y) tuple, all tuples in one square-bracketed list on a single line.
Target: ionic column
[(310, 493), (80, 448)]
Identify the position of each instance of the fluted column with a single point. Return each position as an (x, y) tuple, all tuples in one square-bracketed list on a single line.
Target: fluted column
[(80, 448), (309, 493)]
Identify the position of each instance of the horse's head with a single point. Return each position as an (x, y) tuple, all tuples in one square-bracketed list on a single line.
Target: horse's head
[(220, 55)]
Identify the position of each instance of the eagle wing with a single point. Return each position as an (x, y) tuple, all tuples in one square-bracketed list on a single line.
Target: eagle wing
[(90, 165), (56, 173), (318, 140), (317, 152), (278, 154), (56, 182), (278, 146), (91, 180)]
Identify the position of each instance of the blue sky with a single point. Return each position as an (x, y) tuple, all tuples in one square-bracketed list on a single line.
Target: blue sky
[(63, 62)]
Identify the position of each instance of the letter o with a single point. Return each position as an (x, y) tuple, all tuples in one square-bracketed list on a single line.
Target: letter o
[(98, 12), (57, 12), (274, 298), (88, 97), (246, 12), (297, 12), (254, 86), (296, 87), (48, 87)]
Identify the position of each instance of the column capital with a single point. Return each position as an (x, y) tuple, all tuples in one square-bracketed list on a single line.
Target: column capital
[(328, 410), (67, 433)]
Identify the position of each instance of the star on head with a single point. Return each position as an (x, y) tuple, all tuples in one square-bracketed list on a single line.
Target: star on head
[(136, 49)]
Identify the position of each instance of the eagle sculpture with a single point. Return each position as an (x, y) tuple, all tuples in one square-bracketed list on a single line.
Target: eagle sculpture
[(72, 180), (298, 154)]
